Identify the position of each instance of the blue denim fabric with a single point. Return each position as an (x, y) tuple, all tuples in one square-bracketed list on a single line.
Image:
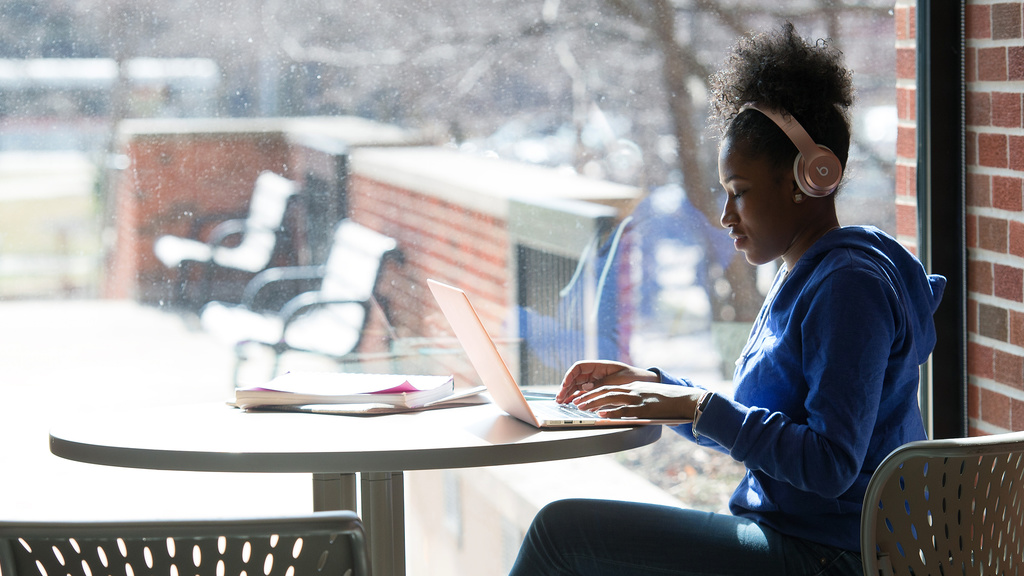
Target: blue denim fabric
[(604, 538)]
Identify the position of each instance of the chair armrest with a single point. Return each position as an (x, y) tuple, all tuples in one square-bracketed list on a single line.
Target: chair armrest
[(306, 300), (208, 220), (225, 230), (275, 275)]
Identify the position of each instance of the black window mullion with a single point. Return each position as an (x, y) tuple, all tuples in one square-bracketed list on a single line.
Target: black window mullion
[(941, 199)]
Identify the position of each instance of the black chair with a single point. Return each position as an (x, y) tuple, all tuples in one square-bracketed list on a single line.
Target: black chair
[(328, 543)]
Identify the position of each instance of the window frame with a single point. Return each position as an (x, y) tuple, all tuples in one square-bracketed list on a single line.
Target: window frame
[(941, 160)]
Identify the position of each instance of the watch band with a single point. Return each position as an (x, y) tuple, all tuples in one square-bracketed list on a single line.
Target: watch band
[(699, 411)]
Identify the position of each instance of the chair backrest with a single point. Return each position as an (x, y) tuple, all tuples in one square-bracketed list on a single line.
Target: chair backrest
[(337, 327), (947, 507), (267, 209), (328, 543), (354, 261), (269, 200)]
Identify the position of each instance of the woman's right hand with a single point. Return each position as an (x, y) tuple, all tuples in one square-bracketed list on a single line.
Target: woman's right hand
[(587, 375)]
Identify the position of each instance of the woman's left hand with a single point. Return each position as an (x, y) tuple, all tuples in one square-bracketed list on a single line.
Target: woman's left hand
[(641, 400)]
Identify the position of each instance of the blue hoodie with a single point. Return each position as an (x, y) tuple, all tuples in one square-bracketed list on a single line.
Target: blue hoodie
[(826, 386)]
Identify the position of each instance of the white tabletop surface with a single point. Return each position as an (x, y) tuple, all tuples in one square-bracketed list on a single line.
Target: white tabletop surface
[(218, 438)]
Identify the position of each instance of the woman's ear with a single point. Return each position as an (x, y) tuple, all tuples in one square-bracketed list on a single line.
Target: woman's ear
[(798, 194)]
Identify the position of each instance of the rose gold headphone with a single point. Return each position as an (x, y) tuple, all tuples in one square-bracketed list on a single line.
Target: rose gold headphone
[(816, 168)]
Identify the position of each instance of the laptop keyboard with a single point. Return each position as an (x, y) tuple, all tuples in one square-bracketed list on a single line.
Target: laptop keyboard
[(554, 410)]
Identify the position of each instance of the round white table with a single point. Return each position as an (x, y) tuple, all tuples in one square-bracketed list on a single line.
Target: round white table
[(218, 438)]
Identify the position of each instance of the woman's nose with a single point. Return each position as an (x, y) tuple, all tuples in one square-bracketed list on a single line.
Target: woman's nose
[(728, 213)]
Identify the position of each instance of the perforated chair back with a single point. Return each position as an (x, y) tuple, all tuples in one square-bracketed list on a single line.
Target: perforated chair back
[(947, 507), (325, 543)]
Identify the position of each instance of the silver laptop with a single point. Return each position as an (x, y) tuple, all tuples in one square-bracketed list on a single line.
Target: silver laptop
[(495, 375)]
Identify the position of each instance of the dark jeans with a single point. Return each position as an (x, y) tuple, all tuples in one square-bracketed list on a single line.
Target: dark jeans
[(601, 538)]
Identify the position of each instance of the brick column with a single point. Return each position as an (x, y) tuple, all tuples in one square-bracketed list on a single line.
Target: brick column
[(995, 219)]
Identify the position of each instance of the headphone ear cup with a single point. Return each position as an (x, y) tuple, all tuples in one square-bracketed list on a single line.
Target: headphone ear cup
[(818, 173), (820, 176)]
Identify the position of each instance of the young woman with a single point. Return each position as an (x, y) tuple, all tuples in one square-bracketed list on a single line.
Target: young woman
[(827, 384)]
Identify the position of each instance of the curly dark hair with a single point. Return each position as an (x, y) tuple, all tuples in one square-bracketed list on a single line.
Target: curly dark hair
[(778, 69)]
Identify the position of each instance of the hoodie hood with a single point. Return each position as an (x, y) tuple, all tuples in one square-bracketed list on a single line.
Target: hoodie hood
[(920, 292)]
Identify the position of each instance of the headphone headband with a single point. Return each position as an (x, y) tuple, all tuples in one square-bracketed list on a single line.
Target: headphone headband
[(816, 168)]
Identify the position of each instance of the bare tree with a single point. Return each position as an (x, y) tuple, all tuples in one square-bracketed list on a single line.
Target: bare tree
[(733, 293)]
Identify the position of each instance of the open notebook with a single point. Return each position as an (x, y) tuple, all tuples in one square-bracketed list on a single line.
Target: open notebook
[(495, 375)]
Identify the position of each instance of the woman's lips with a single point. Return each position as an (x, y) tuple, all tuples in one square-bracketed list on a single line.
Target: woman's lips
[(737, 239)]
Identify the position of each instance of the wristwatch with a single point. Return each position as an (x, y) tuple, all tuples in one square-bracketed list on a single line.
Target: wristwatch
[(701, 405)]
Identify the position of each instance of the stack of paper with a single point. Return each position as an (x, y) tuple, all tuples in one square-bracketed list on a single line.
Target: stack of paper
[(344, 393), (344, 388)]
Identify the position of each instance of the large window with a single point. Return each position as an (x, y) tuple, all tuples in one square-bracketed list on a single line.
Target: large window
[(122, 122)]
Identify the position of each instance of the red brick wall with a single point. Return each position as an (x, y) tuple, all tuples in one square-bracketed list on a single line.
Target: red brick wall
[(450, 213), (173, 180), (995, 215), (440, 240), (906, 137), (181, 171)]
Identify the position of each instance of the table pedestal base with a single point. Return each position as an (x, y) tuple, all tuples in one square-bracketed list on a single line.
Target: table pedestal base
[(383, 512), (334, 492), (383, 497)]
